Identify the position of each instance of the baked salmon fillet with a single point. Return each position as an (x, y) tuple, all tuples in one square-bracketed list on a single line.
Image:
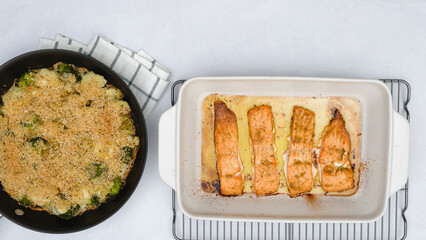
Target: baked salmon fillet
[(226, 143), (300, 159), (336, 172), (261, 128)]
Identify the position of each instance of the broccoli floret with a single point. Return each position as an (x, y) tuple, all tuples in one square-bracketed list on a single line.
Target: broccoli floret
[(95, 200), (127, 154), (62, 196), (71, 212), (126, 124), (89, 103), (36, 121), (115, 189), (25, 202), (39, 143), (26, 80), (96, 170), (26, 125), (99, 170), (68, 68)]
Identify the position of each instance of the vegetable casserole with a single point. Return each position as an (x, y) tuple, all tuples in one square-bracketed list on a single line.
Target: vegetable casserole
[(67, 140)]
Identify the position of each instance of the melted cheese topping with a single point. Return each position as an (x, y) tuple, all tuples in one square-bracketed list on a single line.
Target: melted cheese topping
[(65, 144)]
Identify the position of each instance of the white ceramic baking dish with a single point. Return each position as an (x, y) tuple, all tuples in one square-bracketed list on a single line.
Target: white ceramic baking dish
[(385, 152)]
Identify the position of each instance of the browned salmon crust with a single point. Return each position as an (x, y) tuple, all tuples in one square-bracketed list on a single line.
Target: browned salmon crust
[(299, 166), (261, 127), (336, 171), (226, 142)]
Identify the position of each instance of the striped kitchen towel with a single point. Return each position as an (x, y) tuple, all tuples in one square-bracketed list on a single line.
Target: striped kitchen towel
[(146, 77)]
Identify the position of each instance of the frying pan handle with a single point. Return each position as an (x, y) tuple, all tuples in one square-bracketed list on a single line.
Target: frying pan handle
[(167, 147), (400, 152)]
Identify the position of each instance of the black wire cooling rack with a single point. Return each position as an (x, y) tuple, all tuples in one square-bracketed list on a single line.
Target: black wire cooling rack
[(393, 224)]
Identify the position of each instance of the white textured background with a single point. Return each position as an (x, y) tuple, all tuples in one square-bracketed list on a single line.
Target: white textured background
[(356, 39)]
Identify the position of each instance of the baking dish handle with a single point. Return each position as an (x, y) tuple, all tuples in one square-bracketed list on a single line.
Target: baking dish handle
[(400, 152), (167, 147)]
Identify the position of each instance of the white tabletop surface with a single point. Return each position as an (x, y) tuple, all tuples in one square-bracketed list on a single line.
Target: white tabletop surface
[(355, 39)]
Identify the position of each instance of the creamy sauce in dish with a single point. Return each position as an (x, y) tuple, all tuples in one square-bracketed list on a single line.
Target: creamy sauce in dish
[(67, 141), (282, 108)]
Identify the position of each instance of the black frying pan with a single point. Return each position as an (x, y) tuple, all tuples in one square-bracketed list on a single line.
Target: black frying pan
[(41, 220)]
